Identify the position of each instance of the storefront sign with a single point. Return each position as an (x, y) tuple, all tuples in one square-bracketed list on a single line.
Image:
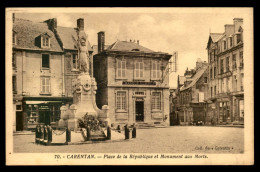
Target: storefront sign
[(224, 75), (139, 99), (138, 83), (44, 107)]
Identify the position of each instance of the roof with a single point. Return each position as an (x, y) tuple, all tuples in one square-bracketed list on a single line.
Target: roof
[(95, 48), (195, 78), (68, 35), (26, 32), (128, 46), (215, 36)]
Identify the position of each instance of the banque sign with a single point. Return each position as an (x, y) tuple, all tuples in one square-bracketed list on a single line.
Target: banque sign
[(138, 83)]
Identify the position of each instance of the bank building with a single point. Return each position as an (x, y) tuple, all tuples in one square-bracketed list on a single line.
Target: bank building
[(133, 81)]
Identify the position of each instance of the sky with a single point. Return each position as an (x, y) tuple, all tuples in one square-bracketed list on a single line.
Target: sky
[(166, 30)]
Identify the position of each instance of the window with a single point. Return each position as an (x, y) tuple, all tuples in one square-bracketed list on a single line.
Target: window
[(215, 72), (156, 71), (242, 82), (156, 101), (227, 64), (228, 85), (215, 90), (139, 70), (234, 58), (75, 63), (13, 60), (121, 69), (14, 85), (238, 38), (121, 100), (45, 85), (211, 91), (222, 66), (32, 114), (230, 41), (211, 74), (45, 61), (205, 79), (45, 41), (225, 45), (241, 60)]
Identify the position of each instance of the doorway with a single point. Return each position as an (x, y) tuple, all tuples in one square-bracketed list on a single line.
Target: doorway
[(139, 111), (19, 121), (44, 117)]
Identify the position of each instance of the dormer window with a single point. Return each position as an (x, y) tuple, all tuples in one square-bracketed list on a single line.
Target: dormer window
[(238, 38), (225, 45), (230, 41), (45, 41)]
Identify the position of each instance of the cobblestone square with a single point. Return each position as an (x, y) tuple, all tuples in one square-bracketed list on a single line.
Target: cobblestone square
[(177, 139)]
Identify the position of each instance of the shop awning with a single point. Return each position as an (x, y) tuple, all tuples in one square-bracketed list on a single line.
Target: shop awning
[(41, 102)]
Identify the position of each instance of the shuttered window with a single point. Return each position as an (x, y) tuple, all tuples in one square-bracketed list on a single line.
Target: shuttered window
[(121, 69), (156, 70), (139, 70), (45, 85)]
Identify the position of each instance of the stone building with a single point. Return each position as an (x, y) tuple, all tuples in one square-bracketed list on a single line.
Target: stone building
[(190, 96), (133, 81), (44, 62), (225, 96)]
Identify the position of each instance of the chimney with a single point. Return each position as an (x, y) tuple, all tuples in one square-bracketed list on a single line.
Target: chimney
[(101, 41), (229, 29), (138, 42), (80, 24), (237, 22), (13, 17), (130, 40), (52, 24)]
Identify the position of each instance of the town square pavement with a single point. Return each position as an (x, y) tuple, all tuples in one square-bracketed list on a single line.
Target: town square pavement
[(175, 139)]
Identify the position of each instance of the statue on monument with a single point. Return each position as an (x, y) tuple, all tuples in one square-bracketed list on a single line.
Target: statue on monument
[(83, 49)]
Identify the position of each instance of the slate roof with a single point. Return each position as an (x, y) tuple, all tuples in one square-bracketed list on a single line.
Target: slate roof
[(195, 78), (216, 36), (26, 32), (95, 49), (128, 46), (68, 35)]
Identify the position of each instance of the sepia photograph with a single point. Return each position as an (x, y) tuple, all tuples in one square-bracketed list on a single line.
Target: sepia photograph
[(129, 86)]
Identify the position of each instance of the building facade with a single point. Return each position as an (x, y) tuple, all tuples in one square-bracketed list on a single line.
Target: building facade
[(44, 61), (133, 81), (225, 96), (190, 96)]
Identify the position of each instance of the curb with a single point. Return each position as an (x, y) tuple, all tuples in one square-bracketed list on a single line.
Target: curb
[(94, 142), (25, 133)]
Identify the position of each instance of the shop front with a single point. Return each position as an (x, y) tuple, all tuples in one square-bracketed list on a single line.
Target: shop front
[(43, 112), (224, 113)]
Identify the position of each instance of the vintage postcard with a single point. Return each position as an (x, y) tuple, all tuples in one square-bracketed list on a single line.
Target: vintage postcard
[(129, 86)]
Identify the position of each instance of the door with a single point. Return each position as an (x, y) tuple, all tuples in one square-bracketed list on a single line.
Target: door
[(172, 118), (139, 111), (19, 121), (44, 117)]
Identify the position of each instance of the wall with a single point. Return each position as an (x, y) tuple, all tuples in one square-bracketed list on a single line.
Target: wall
[(29, 63)]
